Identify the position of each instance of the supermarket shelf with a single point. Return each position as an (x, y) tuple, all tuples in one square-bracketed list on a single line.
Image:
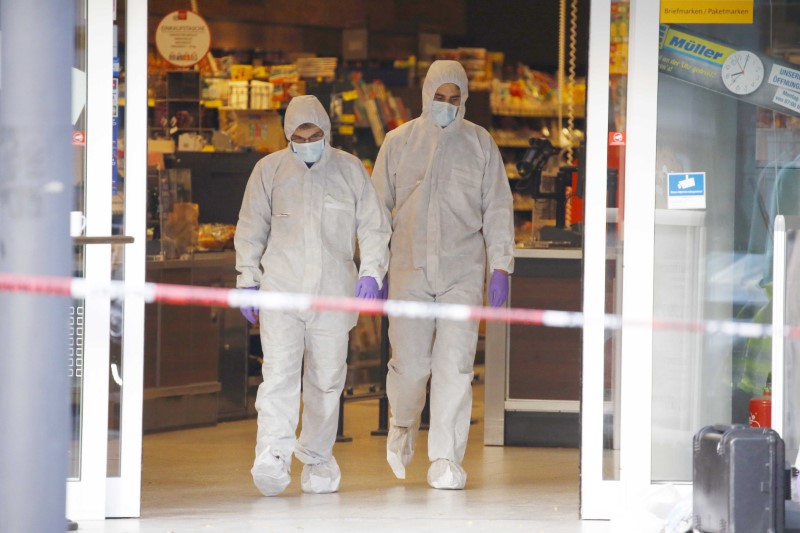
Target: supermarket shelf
[(542, 112), (512, 143)]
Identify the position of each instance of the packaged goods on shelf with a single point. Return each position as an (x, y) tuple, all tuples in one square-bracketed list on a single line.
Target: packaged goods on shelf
[(317, 67), (533, 96), (214, 89), (261, 94), (215, 236), (241, 72), (284, 74), (477, 62), (259, 130), (237, 95), (377, 108)]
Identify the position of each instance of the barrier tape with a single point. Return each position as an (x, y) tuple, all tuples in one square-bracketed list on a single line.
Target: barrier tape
[(80, 288)]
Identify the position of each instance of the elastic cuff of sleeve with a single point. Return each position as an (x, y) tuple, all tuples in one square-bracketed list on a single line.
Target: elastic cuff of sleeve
[(373, 276)]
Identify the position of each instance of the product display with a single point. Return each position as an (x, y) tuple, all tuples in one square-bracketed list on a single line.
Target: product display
[(215, 236)]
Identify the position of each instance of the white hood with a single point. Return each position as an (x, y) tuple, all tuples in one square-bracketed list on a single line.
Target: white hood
[(441, 72), (304, 109)]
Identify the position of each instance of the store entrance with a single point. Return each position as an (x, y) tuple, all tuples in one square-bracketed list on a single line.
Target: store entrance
[(210, 121)]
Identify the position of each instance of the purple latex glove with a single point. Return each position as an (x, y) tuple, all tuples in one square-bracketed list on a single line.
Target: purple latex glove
[(367, 288), (498, 288), (384, 294), (250, 313)]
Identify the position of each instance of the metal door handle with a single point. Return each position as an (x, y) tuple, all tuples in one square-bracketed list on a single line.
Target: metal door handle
[(111, 239)]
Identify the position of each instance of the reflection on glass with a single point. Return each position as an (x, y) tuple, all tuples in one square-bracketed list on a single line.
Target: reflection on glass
[(712, 254), (76, 318), (76, 353), (791, 406), (115, 380), (618, 89), (116, 328)]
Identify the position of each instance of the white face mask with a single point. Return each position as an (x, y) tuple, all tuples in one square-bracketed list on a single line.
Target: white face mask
[(443, 113), (309, 152)]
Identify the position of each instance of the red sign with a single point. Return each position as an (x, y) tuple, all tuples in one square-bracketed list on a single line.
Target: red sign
[(78, 138), (616, 138)]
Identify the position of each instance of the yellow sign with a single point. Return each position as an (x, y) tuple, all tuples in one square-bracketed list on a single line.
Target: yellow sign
[(694, 47), (346, 130), (349, 95), (707, 11), (348, 118)]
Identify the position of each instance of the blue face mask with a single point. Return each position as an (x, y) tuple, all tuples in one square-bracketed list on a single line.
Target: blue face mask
[(309, 152), (443, 113)]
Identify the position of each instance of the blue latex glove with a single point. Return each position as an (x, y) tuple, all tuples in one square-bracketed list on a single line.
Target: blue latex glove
[(498, 288), (384, 294), (250, 313), (367, 288)]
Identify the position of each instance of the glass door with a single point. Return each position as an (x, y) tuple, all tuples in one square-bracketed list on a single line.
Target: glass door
[(601, 419), (727, 145), (712, 142), (107, 225)]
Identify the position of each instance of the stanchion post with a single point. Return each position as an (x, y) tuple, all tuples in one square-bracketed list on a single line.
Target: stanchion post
[(340, 437), (383, 402), (425, 418)]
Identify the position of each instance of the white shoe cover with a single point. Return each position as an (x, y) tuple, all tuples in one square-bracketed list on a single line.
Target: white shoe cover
[(321, 478), (400, 445), (270, 473), (444, 474)]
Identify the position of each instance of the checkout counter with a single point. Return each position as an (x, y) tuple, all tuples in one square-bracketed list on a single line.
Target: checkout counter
[(533, 373), (197, 360), (532, 393)]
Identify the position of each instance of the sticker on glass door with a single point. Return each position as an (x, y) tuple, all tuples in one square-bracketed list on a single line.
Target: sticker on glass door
[(687, 190)]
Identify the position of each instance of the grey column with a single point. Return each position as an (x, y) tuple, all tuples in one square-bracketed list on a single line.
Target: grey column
[(36, 55)]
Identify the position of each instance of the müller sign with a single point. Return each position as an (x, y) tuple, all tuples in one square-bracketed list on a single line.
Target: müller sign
[(183, 38)]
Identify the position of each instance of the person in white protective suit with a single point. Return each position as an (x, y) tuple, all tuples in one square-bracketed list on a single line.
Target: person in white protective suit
[(303, 208), (443, 180)]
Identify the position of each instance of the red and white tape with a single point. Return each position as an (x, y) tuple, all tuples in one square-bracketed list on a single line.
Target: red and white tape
[(80, 288)]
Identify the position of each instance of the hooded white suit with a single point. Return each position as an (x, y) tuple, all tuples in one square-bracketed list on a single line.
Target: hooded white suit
[(296, 233), (452, 209)]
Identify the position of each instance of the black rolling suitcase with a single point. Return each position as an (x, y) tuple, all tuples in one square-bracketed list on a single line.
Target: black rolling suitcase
[(738, 480)]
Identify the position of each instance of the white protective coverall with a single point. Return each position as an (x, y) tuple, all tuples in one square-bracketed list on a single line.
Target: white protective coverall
[(452, 207), (296, 233)]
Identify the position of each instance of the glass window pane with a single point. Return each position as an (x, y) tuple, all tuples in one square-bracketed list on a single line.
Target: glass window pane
[(76, 319), (618, 89), (116, 329), (725, 138)]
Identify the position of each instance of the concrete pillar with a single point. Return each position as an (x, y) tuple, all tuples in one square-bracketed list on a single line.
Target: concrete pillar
[(36, 183)]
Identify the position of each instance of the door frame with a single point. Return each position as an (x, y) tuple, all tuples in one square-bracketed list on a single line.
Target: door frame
[(86, 495), (93, 496), (604, 499), (123, 493), (599, 497)]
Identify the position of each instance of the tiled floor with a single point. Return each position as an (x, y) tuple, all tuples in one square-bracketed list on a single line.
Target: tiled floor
[(198, 481)]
